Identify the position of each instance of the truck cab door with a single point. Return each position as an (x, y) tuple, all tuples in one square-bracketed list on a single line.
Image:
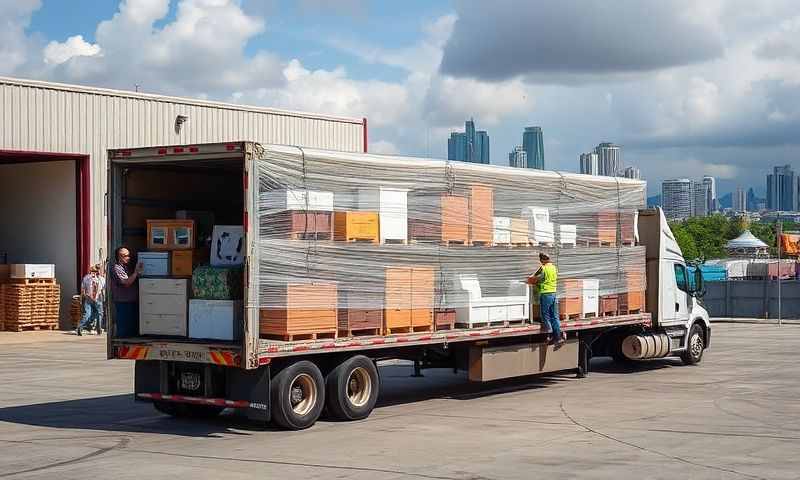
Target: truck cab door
[(683, 299)]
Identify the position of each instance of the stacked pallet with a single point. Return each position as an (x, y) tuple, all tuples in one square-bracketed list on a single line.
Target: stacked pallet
[(31, 306), (75, 311), (302, 311)]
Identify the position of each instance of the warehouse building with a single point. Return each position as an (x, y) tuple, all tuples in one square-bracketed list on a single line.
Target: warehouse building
[(53, 143)]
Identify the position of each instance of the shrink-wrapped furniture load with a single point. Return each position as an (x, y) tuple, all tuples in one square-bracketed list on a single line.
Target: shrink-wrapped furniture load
[(454, 267)]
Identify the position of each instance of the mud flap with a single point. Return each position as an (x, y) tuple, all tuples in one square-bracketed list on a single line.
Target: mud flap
[(251, 386)]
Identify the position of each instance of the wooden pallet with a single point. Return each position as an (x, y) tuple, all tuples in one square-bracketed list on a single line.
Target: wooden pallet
[(635, 311), (361, 240), (12, 327), (596, 243), (572, 316), (294, 337), (360, 332), (482, 324), (311, 236), (479, 243), (31, 281), (395, 241), (408, 329)]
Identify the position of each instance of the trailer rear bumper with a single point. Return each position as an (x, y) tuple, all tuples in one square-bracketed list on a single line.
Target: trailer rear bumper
[(166, 381)]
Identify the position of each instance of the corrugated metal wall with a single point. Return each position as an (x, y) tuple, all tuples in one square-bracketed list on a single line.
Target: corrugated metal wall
[(45, 117)]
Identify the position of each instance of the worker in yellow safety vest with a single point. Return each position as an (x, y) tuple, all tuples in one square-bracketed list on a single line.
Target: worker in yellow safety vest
[(546, 279)]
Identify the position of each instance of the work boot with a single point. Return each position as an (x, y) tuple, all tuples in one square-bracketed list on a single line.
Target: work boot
[(78, 331)]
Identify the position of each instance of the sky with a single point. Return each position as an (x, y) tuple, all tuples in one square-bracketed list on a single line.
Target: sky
[(688, 88)]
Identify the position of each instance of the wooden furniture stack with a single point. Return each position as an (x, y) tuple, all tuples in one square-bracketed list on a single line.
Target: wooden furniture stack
[(481, 214), (439, 218), (409, 297), (633, 299), (392, 207), (356, 226), (301, 311)]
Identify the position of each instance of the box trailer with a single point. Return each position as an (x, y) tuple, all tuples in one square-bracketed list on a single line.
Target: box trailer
[(347, 259)]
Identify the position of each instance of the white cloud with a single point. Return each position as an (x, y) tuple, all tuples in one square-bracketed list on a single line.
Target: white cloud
[(15, 45), (383, 146), (56, 53)]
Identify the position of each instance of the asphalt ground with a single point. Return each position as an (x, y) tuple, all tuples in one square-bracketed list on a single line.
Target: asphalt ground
[(66, 412)]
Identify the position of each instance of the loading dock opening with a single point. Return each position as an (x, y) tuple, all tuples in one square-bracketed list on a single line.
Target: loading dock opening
[(45, 214)]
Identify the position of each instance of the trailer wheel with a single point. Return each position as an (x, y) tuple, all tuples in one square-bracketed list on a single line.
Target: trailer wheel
[(298, 395), (187, 410), (352, 389), (694, 346)]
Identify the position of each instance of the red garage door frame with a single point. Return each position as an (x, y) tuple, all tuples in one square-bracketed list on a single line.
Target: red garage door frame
[(83, 188)]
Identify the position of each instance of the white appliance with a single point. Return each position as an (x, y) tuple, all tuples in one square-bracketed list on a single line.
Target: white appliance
[(392, 207), (540, 229), (32, 270), (162, 306), (227, 245), (502, 230), (155, 264), (290, 199), (216, 319)]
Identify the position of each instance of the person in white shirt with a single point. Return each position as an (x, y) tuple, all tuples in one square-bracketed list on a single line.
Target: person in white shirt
[(91, 300)]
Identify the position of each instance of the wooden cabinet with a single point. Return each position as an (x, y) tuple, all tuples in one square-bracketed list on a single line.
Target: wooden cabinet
[(298, 225), (171, 234), (439, 218), (392, 207), (163, 304), (305, 310), (481, 213), (184, 261), (409, 294), (356, 226)]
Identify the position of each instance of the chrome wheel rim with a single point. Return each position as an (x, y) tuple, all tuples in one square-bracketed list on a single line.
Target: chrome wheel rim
[(303, 394), (359, 387), (696, 346)]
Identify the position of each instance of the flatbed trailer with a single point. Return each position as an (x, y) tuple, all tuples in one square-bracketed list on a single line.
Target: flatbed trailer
[(290, 382)]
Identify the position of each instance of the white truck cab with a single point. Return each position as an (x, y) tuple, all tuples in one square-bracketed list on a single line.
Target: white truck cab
[(672, 298)]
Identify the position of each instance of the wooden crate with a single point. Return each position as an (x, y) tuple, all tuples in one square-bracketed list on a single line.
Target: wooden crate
[(307, 310), (299, 225), (409, 296), (626, 228), (609, 305), (182, 262), (444, 319), (443, 218), (75, 312), (481, 213), (170, 234), (519, 231), (633, 299), (356, 226), (571, 304), (360, 321), (599, 228)]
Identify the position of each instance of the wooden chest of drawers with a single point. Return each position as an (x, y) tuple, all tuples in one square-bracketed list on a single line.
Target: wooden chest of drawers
[(163, 305), (301, 309), (439, 218), (481, 213), (356, 226), (298, 225)]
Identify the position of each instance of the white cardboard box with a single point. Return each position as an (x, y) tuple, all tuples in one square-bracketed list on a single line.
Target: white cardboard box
[(33, 270), (227, 245), (156, 264), (216, 319)]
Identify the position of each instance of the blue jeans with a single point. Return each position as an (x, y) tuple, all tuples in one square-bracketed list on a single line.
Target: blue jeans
[(92, 314), (548, 306), (126, 319)]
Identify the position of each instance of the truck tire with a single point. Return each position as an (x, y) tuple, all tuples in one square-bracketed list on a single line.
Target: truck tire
[(298, 394), (352, 389), (187, 410), (694, 346)]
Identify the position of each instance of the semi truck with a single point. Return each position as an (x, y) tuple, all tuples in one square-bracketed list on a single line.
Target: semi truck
[(291, 381)]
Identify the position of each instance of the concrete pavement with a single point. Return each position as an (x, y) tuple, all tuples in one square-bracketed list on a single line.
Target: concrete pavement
[(67, 413)]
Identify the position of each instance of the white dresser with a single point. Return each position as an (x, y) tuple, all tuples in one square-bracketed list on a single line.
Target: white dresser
[(163, 305)]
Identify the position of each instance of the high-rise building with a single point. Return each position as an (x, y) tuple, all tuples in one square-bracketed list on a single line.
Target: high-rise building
[(609, 159), (711, 201), (739, 200), (518, 158), (676, 198), (700, 199), (469, 146), (632, 172), (589, 164), (533, 143), (781, 188)]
